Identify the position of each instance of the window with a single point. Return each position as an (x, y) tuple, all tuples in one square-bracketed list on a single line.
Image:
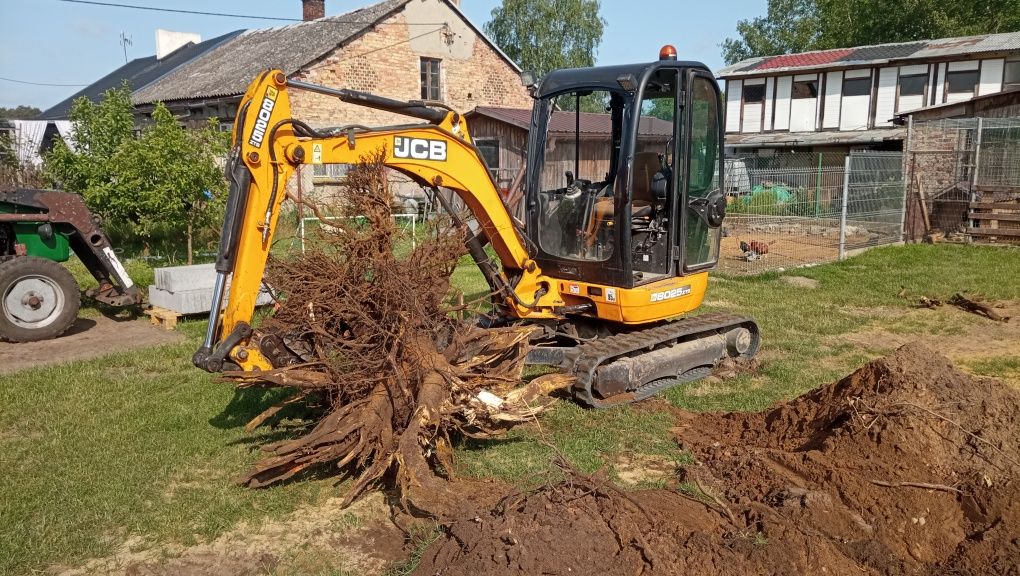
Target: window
[(754, 93), (575, 199), (329, 172), (913, 85), (490, 153), (430, 87), (805, 89), (702, 243), (857, 86), (1012, 77), (962, 82)]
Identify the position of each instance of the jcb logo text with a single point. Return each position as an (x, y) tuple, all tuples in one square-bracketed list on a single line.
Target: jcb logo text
[(419, 148)]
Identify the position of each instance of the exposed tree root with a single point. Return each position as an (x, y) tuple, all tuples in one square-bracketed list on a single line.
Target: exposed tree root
[(366, 332)]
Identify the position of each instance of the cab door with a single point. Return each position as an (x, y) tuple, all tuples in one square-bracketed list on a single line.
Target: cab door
[(703, 199)]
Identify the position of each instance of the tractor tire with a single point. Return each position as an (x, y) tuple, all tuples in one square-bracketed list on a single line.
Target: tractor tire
[(39, 299)]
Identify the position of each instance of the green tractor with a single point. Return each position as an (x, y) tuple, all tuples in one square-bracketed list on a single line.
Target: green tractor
[(39, 298)]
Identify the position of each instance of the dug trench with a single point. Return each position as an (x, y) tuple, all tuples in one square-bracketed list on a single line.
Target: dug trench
[(906, 466)]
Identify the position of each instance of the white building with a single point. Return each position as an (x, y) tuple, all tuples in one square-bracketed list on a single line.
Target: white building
[(848, 97)]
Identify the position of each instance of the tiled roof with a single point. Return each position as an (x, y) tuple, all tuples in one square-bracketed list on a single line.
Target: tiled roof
[(805, 59), (875, 54), (137, 73), (565, 122), (228, 69)]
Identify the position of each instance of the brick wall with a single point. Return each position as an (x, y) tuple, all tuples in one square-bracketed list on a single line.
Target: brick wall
[(384, 62)]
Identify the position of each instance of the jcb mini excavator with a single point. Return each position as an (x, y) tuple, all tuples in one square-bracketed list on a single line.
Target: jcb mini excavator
[(615, 245)]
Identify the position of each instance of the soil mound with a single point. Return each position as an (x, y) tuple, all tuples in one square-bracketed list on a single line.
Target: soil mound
[(907, 466)]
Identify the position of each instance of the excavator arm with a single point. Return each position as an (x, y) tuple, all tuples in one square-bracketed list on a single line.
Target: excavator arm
[(268, 147)]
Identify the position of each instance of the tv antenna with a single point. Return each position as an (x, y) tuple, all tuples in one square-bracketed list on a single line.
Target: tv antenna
[(125, 41)]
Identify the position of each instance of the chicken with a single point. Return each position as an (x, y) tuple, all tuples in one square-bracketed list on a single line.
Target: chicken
[(754, 249)]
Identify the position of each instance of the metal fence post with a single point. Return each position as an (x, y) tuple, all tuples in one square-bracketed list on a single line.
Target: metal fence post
[(908, 175), (842, 216), (974, 174)]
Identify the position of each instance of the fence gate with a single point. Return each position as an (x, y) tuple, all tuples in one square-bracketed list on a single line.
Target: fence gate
[(963, 179)]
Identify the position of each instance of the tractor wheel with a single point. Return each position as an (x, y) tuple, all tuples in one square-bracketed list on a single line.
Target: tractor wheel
[(39, 299)]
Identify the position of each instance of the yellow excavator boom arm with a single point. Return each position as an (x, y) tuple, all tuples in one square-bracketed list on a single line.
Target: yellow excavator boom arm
[(268, 147)]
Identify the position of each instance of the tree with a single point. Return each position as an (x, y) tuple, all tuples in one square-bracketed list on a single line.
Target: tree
[(20, 112), (788, 26), (100, 130), (543, 35), (801, 25), (164, 180), (174, 175)]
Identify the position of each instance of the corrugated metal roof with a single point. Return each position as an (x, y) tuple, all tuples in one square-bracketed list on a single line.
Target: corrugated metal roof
[(798, 139), (874, 54), (228, 69), (565, 122), (137, 73)]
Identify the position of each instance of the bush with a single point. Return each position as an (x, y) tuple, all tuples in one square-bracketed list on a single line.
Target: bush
[(164, 181)]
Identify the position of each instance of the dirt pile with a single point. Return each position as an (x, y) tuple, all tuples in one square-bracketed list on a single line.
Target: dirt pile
[(906, 466)]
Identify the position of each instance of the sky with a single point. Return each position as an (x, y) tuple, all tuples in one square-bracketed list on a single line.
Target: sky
[(54, 42)]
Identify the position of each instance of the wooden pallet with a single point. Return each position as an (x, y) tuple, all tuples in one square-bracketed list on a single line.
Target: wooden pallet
[(995, 220), (165, 319)]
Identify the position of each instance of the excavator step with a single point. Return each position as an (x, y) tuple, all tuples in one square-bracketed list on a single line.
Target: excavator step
[(635, 365)]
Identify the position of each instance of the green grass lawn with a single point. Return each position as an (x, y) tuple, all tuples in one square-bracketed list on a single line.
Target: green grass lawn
[(141, 444)]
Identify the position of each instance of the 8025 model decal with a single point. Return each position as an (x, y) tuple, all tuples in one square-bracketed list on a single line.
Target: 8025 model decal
[(670, 294), (419, 148), (258, 133)]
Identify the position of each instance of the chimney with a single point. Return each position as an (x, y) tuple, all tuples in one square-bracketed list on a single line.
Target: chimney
[(168, 41), (313, 9)]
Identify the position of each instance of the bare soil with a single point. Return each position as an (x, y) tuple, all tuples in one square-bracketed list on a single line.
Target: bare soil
[(970, 336), (316, 539), (907, 466), (87, 338), (786, 251)]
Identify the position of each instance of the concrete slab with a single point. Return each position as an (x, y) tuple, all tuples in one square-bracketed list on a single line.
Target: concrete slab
[(192, 301), (179, 278)]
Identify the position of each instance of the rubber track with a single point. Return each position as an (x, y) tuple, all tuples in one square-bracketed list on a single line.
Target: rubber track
[(590, 355)]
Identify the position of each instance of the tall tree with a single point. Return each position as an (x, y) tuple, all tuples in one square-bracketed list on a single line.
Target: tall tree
[(543, 35), (800, 25), (20, 112), (788, 26)]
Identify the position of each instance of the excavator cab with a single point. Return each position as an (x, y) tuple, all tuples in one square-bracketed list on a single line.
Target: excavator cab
[(624, 171)]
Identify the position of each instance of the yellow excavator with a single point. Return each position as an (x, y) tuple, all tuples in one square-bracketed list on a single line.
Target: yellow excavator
[(618, 237)]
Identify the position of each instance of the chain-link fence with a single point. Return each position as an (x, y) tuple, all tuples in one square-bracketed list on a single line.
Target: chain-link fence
[(791, 210), (963, 179)]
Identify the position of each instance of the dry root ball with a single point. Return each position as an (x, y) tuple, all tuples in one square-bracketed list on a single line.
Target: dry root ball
[(370, 334)]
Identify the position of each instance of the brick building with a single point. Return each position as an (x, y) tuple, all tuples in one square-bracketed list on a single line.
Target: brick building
[(402, 49)]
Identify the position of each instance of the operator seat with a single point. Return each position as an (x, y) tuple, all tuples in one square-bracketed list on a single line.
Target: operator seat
[(645, 166)]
